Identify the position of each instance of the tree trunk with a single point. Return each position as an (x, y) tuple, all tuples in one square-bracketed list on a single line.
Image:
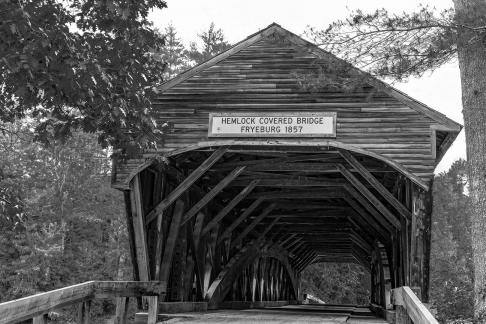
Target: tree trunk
[(472, 64)]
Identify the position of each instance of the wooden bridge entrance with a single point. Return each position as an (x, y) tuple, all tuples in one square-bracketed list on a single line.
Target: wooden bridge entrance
[(260, 174), (269, 163)]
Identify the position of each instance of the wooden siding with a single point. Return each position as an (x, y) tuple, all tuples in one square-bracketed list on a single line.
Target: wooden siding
[(264, 77)]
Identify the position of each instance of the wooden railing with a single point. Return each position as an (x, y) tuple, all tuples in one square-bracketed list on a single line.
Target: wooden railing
[(37, 306), (409, 307)]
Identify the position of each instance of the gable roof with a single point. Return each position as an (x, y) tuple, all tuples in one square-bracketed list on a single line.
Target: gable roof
[(448, 124)]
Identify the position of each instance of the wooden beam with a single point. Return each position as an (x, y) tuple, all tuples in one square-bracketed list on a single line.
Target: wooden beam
[(261, 236), (369, 196), (307, 262), (359, 240), (25, 308), (300, 265), (84, 310), (308, 194), (171, 241), (242, 217), (139, 229), (186, 183), (41, 319), (378, 217), (159, 233), (296, 246), (296, 182), (302, 157), (257, 220), (211, 194), (194, 241), (121, 310), (285, 241), (384, 229), (293, 243), (376, 184), (418, 313), (232, 204)]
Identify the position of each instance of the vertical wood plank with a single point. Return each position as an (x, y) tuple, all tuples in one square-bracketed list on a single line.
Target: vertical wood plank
[(210, 257), (153, 308), (84, 310), (171, 241), (131, 234), (159, 229), (41, 319), (139, 229), (198, 252), (254, 279), (121, 310), (427, 238)]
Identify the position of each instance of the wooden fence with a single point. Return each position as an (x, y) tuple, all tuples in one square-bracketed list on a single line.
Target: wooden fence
[(38, 306), (409, 309)]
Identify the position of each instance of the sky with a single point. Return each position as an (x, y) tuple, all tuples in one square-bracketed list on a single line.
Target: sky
[(238, 19)]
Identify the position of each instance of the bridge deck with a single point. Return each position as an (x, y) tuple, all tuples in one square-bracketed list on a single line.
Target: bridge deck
[(286, 314)]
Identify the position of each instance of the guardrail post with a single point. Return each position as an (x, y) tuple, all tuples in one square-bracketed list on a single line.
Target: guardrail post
[(83, 312), (121, 311), (41, 319)]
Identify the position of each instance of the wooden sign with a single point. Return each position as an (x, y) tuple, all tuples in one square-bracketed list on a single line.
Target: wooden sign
[(305, 124)]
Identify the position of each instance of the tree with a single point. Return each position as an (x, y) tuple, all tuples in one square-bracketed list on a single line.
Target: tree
[(82, 64), (61, 223), (398, 46), (452, 274), (173, 54), (337, 283), (213, 43)]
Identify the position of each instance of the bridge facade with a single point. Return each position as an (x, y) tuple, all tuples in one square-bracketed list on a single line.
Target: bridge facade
[(277, 155)]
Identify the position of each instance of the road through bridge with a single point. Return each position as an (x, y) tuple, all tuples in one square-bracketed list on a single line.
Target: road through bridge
[(277, 155)]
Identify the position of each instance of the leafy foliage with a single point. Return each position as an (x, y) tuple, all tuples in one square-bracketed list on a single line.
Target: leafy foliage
[(83, 64), (337, 283), (452, 270), (61, 223), (213, 42), (173, 54), (393, 46)]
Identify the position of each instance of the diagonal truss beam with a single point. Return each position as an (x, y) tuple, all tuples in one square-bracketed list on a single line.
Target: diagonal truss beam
[(242, 217), (254, 223), (371, 210), (363, 171), (369, 196), (223, 212), (211, 194), (186, 184), (362, 217)]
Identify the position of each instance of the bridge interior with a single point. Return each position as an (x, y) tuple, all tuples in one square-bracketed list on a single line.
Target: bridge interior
[(240, 223)]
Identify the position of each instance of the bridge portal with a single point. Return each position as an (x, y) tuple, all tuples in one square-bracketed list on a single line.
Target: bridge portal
[(272, 161)]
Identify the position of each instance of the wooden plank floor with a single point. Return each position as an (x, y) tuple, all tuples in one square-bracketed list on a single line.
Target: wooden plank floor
[(286, 314)]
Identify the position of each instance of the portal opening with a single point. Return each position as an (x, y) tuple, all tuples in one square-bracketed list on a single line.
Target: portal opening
[(336, 284)]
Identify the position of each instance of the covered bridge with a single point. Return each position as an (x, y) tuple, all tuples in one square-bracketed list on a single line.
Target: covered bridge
[(263, 170), (271, 162)]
